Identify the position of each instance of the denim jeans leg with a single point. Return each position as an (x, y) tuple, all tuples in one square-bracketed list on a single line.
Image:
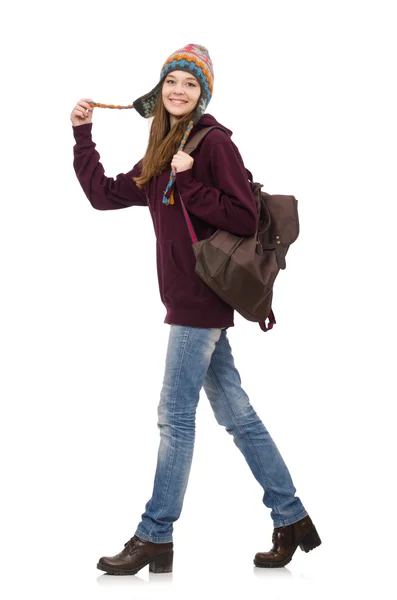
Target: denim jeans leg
[(232, 408), (188, 357)]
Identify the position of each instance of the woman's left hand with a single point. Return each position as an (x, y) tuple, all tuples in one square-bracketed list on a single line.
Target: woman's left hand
[(181, 162)]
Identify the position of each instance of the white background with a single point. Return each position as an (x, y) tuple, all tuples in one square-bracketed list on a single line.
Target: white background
[(307, 89)]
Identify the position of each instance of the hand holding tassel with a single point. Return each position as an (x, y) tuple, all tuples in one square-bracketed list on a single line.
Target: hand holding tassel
[(181, 162)]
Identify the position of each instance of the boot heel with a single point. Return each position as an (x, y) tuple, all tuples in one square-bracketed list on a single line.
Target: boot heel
[(162, 564), (310, 541)]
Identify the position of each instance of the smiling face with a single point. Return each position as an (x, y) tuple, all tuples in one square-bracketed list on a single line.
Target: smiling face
[(180, 93)]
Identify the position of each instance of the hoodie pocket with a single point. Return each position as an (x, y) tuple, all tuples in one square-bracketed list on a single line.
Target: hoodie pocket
[(173, 283)]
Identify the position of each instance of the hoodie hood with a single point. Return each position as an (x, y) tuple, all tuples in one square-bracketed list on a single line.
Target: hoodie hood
[(208, 120)]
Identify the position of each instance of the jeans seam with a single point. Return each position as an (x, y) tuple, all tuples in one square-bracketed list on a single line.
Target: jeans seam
[(219, 385), (174, 391)]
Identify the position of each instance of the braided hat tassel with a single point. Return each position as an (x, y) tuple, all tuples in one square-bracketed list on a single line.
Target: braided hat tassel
[(99, 105), (168, 197)]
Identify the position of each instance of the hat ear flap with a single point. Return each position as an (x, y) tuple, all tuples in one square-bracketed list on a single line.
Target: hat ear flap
[(145, 104)]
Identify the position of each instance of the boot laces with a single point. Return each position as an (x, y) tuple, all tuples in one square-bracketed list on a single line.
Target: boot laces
[(278, 535), (131, 544)]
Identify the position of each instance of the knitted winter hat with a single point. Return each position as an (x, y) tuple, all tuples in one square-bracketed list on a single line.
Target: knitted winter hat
[(194, 59)]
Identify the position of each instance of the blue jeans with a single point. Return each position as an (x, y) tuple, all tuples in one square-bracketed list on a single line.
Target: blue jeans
[(198, 357)]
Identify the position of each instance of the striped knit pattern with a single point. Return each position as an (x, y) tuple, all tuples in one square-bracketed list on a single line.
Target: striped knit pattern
[(194, 59)]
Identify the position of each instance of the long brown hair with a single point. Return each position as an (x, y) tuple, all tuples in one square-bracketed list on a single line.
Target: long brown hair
[(163, 142)]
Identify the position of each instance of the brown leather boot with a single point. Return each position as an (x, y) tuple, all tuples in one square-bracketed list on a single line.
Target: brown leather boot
[(286, 540), (137, 554)]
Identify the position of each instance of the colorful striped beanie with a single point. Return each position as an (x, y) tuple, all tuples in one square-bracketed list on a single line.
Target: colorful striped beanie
[(194, 59)]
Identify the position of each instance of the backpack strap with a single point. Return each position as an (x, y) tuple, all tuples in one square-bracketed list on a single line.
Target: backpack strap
[(191, 145), (272, 321), (197, 138), (270, 318), (249, 175)]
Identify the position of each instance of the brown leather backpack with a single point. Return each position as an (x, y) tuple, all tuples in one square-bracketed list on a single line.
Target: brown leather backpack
[(242, 270)]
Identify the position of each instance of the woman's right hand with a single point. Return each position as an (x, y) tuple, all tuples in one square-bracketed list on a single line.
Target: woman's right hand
[(82, 112)]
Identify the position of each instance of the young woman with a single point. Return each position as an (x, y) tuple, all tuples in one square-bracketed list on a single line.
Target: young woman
[(215, 190)]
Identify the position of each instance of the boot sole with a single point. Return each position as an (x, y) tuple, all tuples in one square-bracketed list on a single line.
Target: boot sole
[(160, 564), (308, 542)]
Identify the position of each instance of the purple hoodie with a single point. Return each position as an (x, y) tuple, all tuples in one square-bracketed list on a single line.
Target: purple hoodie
[(216, 194)]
